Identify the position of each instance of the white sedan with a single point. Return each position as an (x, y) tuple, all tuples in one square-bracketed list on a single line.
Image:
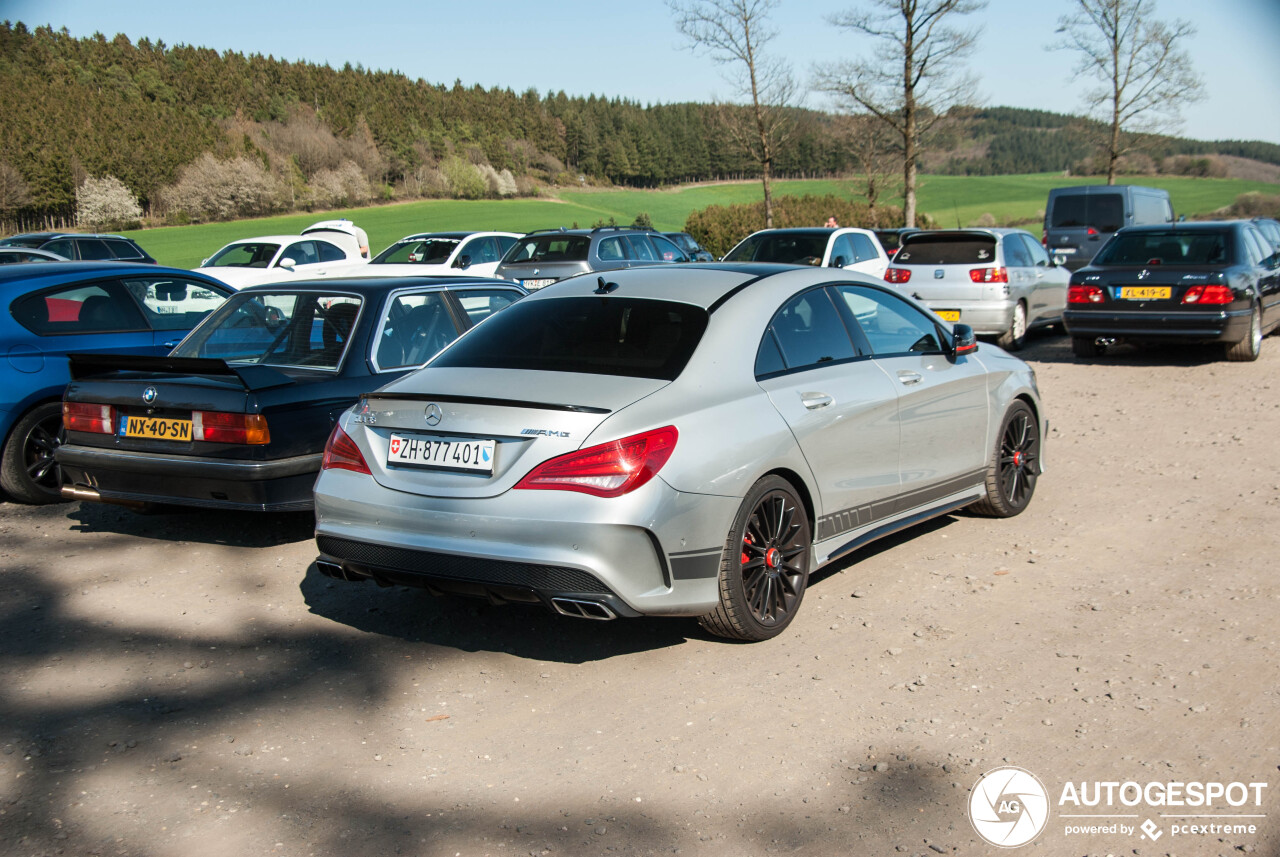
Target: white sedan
[(466, 254), (319, 251), (849, 247)]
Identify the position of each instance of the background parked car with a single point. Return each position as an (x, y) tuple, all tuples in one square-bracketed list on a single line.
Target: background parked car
[(317, 252), (695, 251), (891, 239), (56, 308), (542, 257), (459, 254), (82, 246), (1000, 282), (1270, 230), (236, 417), (571, 452), (1184, 282), (17, 255), (846, 247), (1079, 220)]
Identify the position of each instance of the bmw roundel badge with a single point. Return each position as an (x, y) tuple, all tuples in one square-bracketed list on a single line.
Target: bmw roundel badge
[(149, 395)]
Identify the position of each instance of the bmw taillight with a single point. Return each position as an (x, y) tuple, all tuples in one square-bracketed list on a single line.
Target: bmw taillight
[(83, 416), (218, 427), (989, 275), (897, 275), (1085, 295), (1208, 295), (609, 469), (341, 453)]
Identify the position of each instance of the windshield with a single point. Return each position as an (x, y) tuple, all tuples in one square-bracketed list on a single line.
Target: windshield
[(1165, 248), (308, 329), (417, 251), (631, 337), (549, 248), (792, 248), (926, 249), (247, 255)]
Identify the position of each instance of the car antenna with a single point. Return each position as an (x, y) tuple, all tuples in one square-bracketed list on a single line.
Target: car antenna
[(605, 288)]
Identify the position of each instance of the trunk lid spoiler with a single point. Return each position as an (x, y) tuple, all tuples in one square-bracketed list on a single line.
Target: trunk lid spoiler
[(251, 376)]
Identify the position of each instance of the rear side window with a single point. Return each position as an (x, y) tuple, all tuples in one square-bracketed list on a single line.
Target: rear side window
[(82, 308), (122, 249), (927, 249), (550, 248), (1102, 211), (631, 337), (641, 249), (1015, 254), (415, 327), (329, 252)]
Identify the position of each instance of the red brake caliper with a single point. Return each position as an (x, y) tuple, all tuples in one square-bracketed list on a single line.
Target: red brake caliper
[(746, 541)]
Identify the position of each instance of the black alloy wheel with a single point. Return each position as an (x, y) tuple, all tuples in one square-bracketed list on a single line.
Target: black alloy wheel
[(29, 473), (765, 566), (1015, 466)]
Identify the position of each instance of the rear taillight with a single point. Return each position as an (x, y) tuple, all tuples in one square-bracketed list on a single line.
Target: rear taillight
[(989, 275), (1044, 238), (1091, 231), (82, 416), (218, 427), (1208, 295), (897, 275), (341, 453), (608, 470), (1085, 295)]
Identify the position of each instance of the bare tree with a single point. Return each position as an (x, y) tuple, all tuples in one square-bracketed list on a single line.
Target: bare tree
[(14, 190), (869, 144), (734, 33), (914, 76), (1143, 76)]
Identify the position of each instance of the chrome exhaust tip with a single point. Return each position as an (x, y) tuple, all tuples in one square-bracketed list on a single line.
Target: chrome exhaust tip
[(580, 609), (90, 495)]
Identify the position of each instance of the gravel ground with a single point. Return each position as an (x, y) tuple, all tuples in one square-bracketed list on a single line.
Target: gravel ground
[(188, 684)]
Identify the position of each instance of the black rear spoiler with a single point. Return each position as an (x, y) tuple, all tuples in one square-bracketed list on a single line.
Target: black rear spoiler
[(251, 376)]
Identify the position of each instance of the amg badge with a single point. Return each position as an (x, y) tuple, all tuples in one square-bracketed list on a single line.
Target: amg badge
[(544, 432)]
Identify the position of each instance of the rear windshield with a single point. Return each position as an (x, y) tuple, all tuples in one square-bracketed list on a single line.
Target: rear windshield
[(631, 337), (550, 248), (1166, 248), (789, 248), (928, 249), (1102, 211)]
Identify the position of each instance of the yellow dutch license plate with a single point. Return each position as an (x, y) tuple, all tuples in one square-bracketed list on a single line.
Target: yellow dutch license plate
[(948, 314), (1144, 293), (157, 428)]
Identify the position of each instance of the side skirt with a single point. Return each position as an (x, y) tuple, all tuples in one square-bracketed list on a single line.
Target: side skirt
[(903, 523)]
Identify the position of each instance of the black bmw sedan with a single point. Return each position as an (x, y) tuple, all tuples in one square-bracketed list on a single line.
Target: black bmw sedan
[(1215, 282), (237, 415)]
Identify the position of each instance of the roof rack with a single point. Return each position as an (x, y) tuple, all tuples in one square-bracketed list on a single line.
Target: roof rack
[(541, 231)]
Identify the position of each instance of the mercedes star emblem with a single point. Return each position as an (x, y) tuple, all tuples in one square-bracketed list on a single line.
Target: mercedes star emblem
[(433, 414)]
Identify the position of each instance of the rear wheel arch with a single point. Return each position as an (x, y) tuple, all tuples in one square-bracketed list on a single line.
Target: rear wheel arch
[(801, 488)]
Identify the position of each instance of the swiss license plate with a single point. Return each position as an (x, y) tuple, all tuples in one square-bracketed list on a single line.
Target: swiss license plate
[(442, 453), (536, 284), (948, 314), (1144, 293), (158, 428)]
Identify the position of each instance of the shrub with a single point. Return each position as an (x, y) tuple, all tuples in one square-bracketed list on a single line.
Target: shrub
[(342, 187), (1255, 204), (221, 190), (106, 203), (465, 181)]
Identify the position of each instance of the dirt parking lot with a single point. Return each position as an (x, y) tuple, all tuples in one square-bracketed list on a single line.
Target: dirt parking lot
[(187, 684)]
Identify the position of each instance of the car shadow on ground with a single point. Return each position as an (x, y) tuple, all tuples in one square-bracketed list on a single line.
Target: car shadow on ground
[(474, 625), (1049, 348), (204, 526)]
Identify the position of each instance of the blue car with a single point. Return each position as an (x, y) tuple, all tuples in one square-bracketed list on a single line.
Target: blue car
[(54, 309)]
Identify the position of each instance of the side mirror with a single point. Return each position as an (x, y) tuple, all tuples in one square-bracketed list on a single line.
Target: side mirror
[(287, 262), (838, 262), (963, 340), (462, 262)]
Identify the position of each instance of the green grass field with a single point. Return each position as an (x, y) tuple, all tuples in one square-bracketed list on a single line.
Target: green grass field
[(948, 199)]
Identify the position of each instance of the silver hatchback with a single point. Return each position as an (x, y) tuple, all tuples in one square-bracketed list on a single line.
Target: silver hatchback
[(688, 440)]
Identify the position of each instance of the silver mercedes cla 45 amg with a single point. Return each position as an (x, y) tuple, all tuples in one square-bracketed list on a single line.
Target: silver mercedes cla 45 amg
[(675, 441)]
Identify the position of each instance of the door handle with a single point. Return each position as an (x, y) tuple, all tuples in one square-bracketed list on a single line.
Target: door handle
[(813, 401), (907, 377)]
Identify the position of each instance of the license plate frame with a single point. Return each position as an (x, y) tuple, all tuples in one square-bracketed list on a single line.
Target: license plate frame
[(951, 315), (1145, 293), (441, 453), (175, 429), (540, 283)]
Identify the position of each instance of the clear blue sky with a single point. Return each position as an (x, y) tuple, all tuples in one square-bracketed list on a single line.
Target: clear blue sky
[(632, 50)]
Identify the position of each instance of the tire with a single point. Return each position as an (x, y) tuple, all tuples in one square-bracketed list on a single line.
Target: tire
[(28, 472), (1014, 465), (1086, 346), (1248, 349), (1016, 336), (764, 569)]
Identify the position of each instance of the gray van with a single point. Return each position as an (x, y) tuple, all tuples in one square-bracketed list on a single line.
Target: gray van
[(1079, 220)]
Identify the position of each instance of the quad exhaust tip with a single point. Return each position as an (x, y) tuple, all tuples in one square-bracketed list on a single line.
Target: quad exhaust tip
[(580, 609)]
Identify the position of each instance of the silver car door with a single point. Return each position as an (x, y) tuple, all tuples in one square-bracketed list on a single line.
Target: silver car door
[(942, 401), (840, 406)]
